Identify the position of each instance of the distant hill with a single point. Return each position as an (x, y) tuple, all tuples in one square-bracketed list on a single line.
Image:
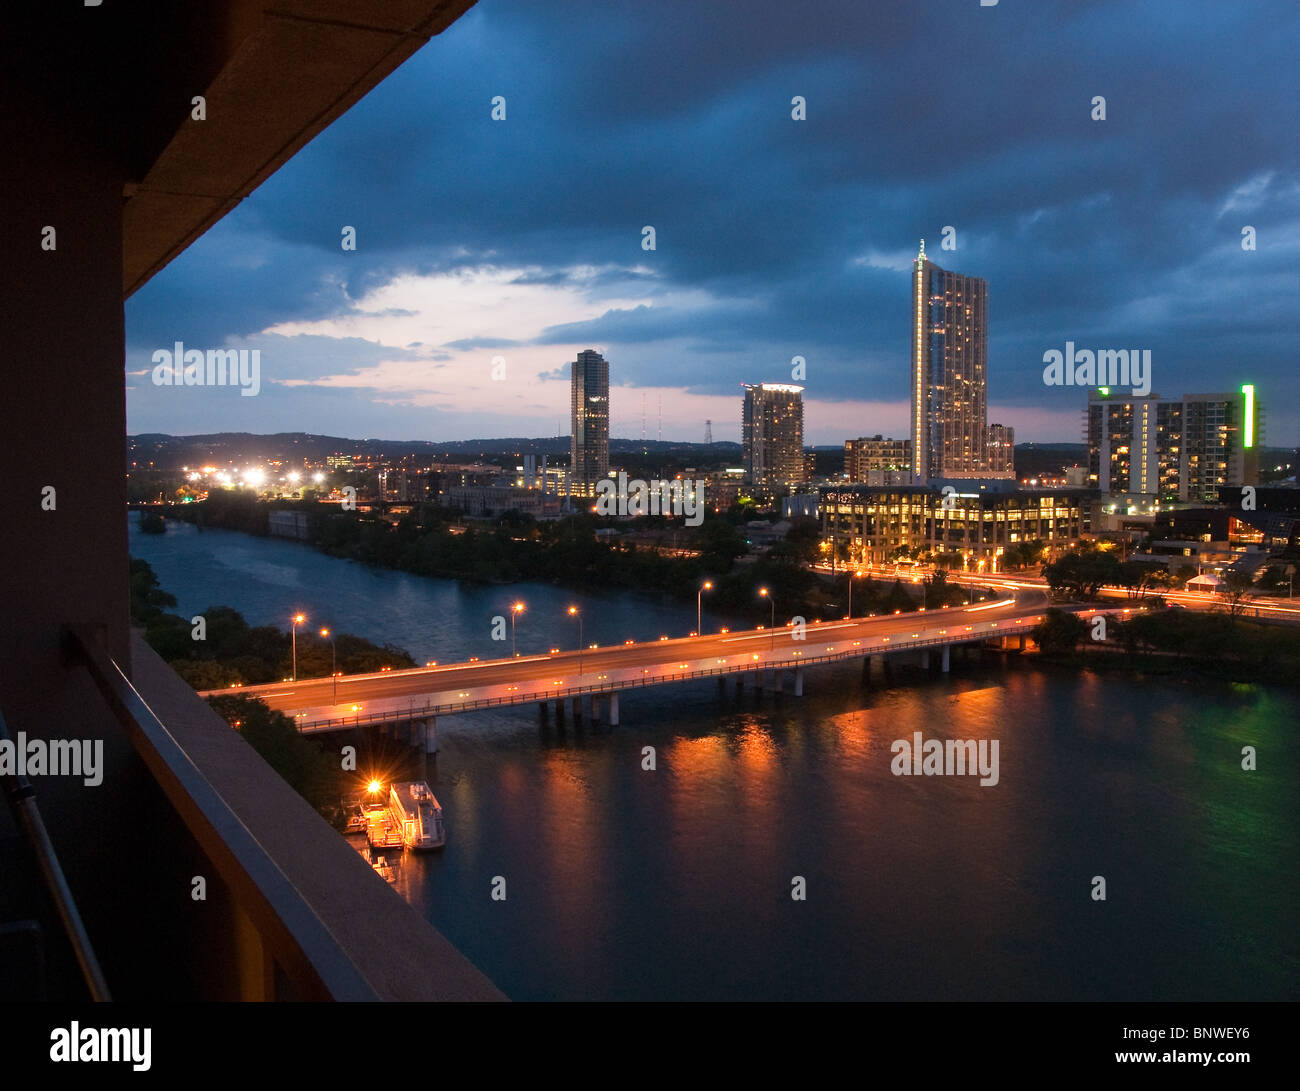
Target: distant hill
[(171, 452)]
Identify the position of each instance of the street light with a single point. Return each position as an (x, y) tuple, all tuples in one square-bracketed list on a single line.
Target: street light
[(298, 619), (852, 576), (699, 597), (574, 612), (515, 611), (334, 673), (763, 593)]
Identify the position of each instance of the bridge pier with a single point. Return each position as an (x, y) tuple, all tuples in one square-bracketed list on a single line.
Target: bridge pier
[(925, 659), (424, 735), (613, 710), (866, 670), (595, 708), (577, 708), (947, 649), (798, 681), (1022, 642)]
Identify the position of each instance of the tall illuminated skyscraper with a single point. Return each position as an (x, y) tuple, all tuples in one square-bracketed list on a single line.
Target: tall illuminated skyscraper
[(589, 437), (949, 372), (772, 431)]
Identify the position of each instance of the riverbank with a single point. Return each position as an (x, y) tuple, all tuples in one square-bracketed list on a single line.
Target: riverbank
[(1176, 644), (584, 552)]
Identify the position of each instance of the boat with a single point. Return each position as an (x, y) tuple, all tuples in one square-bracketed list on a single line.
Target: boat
[(382, 829), (356, 820), (416, 815)]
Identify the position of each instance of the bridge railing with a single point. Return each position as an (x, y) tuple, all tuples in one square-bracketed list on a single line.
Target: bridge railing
[(877, 645)]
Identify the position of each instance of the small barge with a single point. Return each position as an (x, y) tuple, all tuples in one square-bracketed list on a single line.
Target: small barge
[(416, 815)]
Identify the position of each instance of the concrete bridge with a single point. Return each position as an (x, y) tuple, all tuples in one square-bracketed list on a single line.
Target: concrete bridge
[(595, 675)]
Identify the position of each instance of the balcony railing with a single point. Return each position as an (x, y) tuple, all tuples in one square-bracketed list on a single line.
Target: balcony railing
[(328, 925)]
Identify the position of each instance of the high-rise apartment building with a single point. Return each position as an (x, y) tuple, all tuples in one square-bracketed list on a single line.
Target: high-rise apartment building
[(875, 454), (949, 372), (1001, 447), (772, 429), (589, 436), (1179, 449)]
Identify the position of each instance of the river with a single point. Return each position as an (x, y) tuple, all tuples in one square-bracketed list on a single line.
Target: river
[(676, 883)]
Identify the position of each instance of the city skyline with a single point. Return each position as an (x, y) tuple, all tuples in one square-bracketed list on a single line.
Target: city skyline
[(684, 721), (774, 238)]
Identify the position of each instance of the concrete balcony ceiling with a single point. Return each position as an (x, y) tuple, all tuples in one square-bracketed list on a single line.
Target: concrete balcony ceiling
[(280, 72)]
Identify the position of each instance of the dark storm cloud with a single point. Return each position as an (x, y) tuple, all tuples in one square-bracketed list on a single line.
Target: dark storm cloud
[(920, 115)]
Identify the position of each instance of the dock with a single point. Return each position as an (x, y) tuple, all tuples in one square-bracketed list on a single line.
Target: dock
[(381, 831)]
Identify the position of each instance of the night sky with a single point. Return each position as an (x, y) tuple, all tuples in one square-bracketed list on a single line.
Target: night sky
[(522, 238)]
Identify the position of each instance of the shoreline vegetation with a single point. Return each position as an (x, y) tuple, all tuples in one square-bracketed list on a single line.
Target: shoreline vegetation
[(1176, 643), (572, 552)]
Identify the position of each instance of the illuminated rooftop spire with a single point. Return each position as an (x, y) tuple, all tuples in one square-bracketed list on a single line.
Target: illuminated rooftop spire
[(921, 255)]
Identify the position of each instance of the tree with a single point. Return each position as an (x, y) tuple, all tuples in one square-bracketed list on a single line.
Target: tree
[(720, 543), (1023, 554), (804, 538), (1237, 586), (147, 598), (939, 592), (1081, 574), (1276, 579), (1059, 631), (1138, 577), (204, 674), (312, 774)]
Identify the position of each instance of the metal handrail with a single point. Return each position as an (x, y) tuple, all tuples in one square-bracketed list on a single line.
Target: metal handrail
[(310, 955), (876, 645), (23, 796)]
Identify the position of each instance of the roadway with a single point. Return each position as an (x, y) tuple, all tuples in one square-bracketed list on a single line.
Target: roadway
[(534, 677), (1264, 607)]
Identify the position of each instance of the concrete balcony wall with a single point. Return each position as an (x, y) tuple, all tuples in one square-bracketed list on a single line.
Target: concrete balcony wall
[(94, 115)]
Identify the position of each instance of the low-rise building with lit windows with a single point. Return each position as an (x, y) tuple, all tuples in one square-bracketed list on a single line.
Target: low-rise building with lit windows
[(970, 529)]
